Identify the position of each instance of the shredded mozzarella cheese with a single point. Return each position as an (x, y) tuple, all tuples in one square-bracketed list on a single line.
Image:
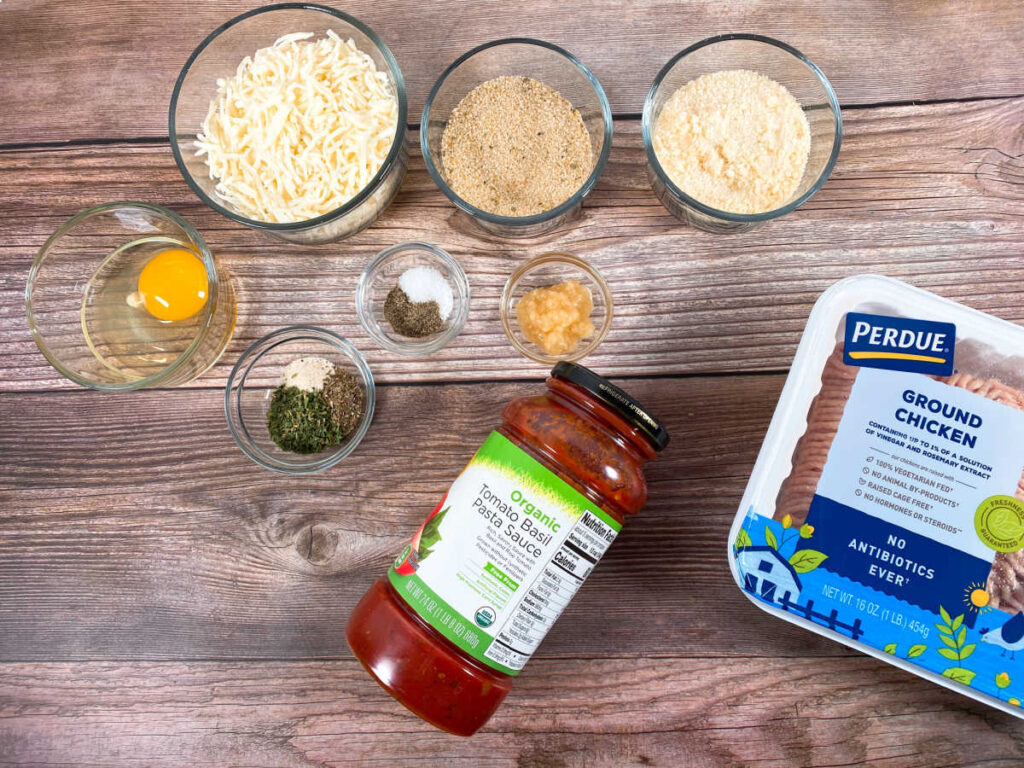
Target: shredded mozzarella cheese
[(300, 129)]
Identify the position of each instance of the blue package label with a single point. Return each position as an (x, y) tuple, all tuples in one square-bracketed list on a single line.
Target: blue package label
[(899, 344), (891, 559), (919, 496)]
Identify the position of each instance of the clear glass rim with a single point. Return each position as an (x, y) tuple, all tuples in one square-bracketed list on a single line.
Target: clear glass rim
[(236, 384), (412, 348), (537, 218), (208, 309), (556, 257), (363, 194), (826, 171)]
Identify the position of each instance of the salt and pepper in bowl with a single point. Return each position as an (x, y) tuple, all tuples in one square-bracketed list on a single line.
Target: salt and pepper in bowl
[(413, 298)]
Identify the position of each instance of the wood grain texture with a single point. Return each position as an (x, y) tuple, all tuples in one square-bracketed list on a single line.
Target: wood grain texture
[(561, 714), (108, 68), (164, 602), (931, 194), (135, 531)]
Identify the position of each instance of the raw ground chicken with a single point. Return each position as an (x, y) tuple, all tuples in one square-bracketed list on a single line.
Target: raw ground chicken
[(1005, 580)]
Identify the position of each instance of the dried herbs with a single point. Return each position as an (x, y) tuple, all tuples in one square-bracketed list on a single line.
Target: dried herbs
[(345, 397), (303, 420), (415, 319)]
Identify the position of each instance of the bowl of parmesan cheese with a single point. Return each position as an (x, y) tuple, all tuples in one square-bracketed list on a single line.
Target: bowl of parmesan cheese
[(291, 119), (738, 130)]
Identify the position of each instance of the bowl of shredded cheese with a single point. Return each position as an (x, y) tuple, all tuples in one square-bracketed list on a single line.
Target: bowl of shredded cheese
[(291, 119), (739, 129)]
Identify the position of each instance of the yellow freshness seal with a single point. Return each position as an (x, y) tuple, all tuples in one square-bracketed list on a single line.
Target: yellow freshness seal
[(999, 523)]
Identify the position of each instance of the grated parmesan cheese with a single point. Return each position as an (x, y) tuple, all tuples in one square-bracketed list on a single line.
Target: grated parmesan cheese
[(300, 129), (735, 140)]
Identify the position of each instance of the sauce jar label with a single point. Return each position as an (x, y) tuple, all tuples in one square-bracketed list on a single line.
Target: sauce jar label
[(501, 556)]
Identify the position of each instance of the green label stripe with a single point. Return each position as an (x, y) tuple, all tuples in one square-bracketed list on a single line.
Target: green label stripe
[(441, 616), (501, 576), (505, 456)]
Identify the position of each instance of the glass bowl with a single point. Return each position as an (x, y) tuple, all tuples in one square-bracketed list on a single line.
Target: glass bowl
[(770, 58), (382, 275), (258, 373), (77, 299), (549, 269), (218, 56), (551, 65)]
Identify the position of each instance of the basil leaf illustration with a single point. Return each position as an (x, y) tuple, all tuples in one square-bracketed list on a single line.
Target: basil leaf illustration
[(431, 535), (916, 650)]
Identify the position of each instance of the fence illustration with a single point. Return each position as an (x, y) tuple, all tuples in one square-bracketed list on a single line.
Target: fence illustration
[(829, 620)]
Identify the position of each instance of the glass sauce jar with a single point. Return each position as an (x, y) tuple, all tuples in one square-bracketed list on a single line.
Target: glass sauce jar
[(470, 598)]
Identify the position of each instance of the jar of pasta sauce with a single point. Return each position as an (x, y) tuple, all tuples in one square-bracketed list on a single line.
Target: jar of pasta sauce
[(467, 602)]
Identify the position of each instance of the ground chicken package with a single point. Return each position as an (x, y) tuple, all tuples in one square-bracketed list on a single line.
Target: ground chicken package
[(885, 509)]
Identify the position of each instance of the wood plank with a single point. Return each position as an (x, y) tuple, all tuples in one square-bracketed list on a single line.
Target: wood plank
[(76, 76), (105, 555), (133, 531), (930, 194), (595, 713)]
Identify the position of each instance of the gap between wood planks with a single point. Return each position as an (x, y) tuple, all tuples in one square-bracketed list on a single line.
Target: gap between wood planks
[(616, 117), (459, 382), (842, 652)]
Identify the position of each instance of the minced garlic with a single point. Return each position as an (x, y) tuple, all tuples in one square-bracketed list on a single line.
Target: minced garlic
[(556, 318), (735, 140)]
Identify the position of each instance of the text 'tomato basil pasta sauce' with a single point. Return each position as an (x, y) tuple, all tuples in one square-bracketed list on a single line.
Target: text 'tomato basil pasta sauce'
[(468, 601)]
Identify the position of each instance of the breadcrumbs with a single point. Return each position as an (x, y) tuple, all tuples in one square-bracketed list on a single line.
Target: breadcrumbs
[(735, 140), (515, 147)]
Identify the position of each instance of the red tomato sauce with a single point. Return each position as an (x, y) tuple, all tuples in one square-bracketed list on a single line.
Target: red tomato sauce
[(590, 434)]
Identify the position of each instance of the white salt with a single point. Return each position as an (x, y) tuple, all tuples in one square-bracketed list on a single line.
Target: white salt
[(423, 284), (307, 373)]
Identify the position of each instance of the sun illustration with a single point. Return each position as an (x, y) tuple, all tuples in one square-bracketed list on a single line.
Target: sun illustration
[(976, 598)]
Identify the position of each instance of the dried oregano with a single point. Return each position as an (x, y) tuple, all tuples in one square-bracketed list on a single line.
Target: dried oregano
[(301, 422)]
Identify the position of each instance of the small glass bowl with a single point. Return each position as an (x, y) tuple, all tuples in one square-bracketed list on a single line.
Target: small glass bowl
[(258, 373), (78, 290), (551, 65), (541, 272), (382, 275), (771, 58), (219, 55)]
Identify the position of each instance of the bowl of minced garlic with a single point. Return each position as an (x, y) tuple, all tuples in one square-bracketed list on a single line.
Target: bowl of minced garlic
[(739, 129), (556, 307)]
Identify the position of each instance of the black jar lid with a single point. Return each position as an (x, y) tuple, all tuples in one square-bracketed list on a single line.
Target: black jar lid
[(620, 402)]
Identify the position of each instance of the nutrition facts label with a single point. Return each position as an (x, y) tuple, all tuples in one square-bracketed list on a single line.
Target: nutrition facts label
[(546, 598)]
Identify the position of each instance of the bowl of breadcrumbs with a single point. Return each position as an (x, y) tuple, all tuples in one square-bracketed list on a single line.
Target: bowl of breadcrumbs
[(516, 133), (739, 130)]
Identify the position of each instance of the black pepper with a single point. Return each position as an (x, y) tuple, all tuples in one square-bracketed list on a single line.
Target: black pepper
[(412, 318)]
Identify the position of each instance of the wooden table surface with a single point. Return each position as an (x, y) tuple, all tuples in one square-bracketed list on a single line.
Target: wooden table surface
[(164, 602)]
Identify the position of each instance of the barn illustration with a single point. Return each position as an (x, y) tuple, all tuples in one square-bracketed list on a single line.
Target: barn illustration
[(768, 575)]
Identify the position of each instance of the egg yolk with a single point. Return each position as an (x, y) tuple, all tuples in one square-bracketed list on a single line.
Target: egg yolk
[(173, 285)]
